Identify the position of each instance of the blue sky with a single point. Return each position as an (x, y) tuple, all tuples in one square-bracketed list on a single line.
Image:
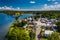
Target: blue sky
[(30, 4)]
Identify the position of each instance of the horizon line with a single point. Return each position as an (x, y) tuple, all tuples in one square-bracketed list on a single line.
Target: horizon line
[(27, 10)]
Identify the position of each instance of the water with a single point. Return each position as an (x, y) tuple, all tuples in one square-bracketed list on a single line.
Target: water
[(5, 23), (25, 16)]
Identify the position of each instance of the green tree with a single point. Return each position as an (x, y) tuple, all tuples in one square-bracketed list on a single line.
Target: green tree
[(32, 35), (53, 36), (19, 24), (16, 33), (58, 26)]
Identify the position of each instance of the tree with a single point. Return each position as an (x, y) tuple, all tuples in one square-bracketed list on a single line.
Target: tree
[(58, 26), (32, 35), (19, 24), (16, 15), (16, 33), (53, 36)]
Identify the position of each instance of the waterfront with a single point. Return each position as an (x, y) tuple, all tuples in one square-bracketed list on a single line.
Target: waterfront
[(28, 23), (5, 23)]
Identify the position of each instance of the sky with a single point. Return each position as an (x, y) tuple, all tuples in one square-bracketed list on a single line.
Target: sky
[(30, 4)]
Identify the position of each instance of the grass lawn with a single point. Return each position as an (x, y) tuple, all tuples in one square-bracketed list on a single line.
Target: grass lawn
[(44, 39)]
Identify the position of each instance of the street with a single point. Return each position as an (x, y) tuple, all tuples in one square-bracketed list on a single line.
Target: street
[(38, 28)]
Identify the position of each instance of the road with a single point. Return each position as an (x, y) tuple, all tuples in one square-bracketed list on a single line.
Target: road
[(38, 28)]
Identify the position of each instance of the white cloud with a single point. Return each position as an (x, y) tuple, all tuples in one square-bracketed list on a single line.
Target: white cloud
[(18, 8), (44, 7), (5, 7), (9, 8), (56, 3), (51, 0), (51, 7), (45, 4), (32, 2)]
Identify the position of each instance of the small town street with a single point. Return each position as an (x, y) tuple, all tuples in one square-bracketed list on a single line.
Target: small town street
[(38, 28)]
